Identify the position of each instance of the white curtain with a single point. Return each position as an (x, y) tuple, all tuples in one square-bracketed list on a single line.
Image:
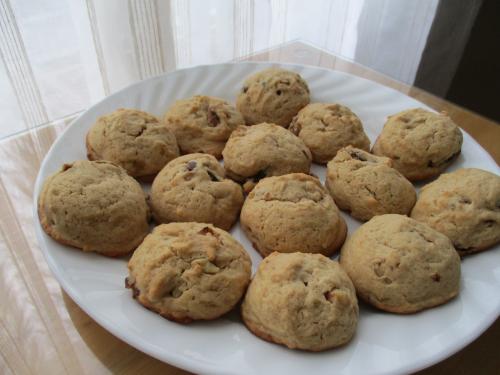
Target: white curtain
[(58, 57)]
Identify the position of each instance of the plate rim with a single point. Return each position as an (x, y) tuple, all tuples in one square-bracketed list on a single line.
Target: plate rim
[(173, 358)]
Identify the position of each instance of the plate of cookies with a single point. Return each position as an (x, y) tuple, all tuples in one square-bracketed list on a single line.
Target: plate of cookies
[(274, 218)]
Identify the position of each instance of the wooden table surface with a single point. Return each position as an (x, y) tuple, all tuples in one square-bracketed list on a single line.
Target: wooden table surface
[(43, 331)]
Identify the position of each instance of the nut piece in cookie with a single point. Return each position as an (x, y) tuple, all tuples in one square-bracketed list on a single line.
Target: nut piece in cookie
[(465, 206), (202, 124), (400, 265), (292, 213), (189, 271), (367, 185), (94, 206), (302, 301), (421, 143), (272, 95), (326, 128), (264, 150), (134, 140), (193, 187)]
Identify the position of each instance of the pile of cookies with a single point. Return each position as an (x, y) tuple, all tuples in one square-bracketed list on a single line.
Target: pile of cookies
[(405, 258)]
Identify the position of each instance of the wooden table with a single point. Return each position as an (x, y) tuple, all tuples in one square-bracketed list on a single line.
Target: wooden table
[(43, 331)]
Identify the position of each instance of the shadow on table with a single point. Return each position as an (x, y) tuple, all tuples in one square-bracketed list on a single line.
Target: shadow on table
[(122, 358), (480, 357), (116, 355)]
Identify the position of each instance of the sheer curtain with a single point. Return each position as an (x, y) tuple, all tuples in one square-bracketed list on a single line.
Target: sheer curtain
[(58, 57)]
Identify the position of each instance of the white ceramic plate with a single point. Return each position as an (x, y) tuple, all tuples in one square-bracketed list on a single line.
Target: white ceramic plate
[(384, 343)]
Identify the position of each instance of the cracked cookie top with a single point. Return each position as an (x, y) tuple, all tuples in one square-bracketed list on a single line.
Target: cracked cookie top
[(421, 143), (303, 301), (366, 185), (94, 206), (465, 206), (326, 128), (134, 140), (292, 213), (189, 271), (401, 265), (193, 187), (272, 95), (255, 152), (202, 124)]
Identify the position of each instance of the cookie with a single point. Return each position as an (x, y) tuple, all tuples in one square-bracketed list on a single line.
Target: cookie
[(421, 143), (292, 213), (193, 187), (272, 95), (134, 140), (367, 185), (326, 128), (255, 152), (202, 124), (400, 265), (189, 271), (94, 206), (302, 301), (465, 206)]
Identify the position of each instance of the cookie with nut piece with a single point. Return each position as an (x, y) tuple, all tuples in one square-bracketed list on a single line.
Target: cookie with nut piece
[(264, 150), (134, 140), (366, 185), (421, 143), (302, 301), (272, 95), (94, 206), (189, 271), (202, 124), (400, 265), (194, 187), (326, 128), (292, 213), (465, 206)]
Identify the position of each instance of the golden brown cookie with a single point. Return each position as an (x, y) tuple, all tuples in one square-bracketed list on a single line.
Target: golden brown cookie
[(302, 301), (465, 206), (189, 271), (255, 152), (202, 124), (94, 206), (272, 95), (193, 187), (134, 140), (326, 128), (292, 213), (367, 185), (421, 143), (400, 265)]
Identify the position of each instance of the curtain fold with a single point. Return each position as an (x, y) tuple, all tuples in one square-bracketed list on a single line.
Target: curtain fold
[(59, 57)]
